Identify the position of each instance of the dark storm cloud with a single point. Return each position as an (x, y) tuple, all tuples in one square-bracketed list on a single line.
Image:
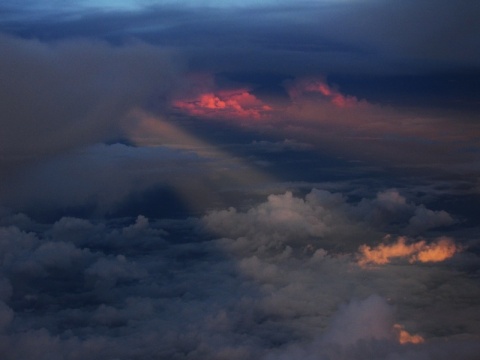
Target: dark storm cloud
[(64, 95), (298, 37)]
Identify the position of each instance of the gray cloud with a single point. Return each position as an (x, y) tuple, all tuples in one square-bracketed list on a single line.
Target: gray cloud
[(58, 96), (369, 36), (131, 277), (268, 285)]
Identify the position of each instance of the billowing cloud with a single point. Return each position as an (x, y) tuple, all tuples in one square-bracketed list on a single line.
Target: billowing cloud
[(321, 217), (270, 282)]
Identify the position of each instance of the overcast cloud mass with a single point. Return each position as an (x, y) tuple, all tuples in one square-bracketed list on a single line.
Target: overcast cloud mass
[(266, 180)]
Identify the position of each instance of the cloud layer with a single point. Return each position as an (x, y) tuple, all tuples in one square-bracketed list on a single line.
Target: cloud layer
[(282, 280), (197, 180)]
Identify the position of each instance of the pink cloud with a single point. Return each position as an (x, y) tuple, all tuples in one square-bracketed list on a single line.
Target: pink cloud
[(303, 87), (317, 113), (238, 104)]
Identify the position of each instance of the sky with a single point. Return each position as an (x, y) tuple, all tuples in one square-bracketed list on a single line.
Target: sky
[(267, 180)]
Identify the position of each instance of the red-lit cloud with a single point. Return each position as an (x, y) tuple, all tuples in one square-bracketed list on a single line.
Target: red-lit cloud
[(440, 250), (238, 104), (304, 87), (319, 114)]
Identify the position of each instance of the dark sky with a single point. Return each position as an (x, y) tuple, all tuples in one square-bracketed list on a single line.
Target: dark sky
[(267, 180)]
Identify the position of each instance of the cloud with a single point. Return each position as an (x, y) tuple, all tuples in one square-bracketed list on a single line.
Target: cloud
[(404, 337), (227, 104), (129, 276), (286, 218), (106, 272), (369, 319), (273, 248), (276, 281), (302, 87), (318, 113), (63, 95), (301, 37), (321, 217), (426, 219), (439, 250)]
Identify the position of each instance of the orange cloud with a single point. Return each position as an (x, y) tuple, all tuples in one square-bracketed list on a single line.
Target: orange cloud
[(444, 248), (404, 337), (306, 86), (239, 104)]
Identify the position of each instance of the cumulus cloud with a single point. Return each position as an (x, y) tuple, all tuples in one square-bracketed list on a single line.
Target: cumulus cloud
[(270, 282), (424, 219), (284, 265), (286, 218), (321, 217)]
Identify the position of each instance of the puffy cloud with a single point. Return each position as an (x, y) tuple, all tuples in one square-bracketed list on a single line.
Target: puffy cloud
[(286, 220), (284, 265), (389, 206), (321, 217), (424, 219), (271, 282)]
